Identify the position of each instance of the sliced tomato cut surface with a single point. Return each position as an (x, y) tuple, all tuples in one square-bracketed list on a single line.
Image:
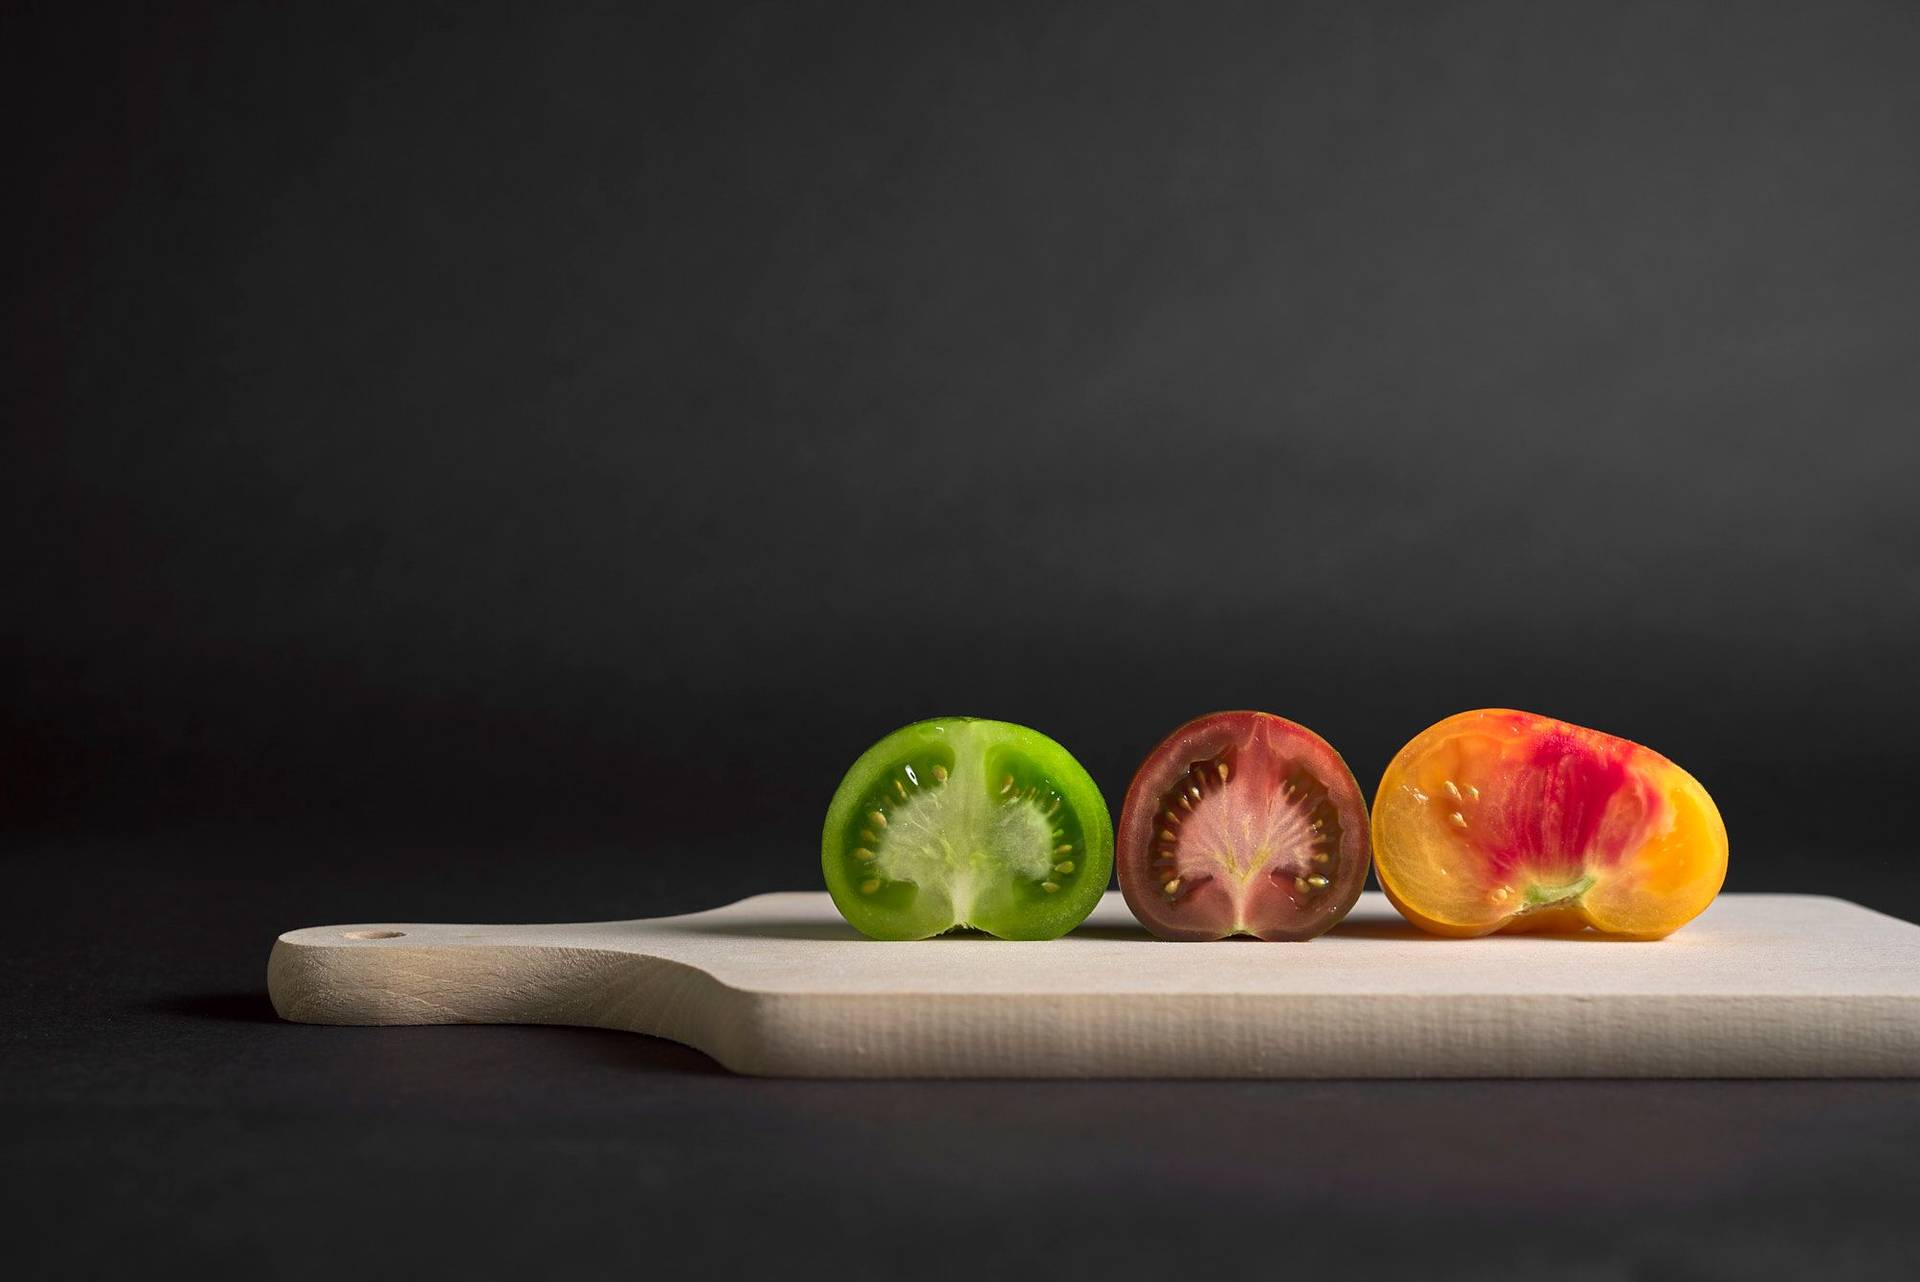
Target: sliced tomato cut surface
[(959, 822), (1242, 823), (1503, 820)]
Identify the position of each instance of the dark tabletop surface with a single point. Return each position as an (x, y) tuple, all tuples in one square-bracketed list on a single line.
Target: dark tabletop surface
[(156, 1113)]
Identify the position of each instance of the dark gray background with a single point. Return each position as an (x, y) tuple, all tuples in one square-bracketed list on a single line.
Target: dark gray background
[(477, 461)]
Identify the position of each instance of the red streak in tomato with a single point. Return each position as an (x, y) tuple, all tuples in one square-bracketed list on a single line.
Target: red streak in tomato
[(1567, 806)]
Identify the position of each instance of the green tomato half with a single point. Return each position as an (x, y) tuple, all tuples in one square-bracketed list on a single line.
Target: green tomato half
[(959, 822)]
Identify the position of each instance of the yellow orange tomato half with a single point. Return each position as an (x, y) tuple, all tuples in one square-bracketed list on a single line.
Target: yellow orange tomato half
[(1496, 820)]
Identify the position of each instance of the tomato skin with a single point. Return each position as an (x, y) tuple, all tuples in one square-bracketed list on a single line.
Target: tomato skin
[(1499, 820), (1281, 777), (988, 772)]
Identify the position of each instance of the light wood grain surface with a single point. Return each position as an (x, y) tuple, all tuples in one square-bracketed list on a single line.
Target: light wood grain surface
[(1759, 986)]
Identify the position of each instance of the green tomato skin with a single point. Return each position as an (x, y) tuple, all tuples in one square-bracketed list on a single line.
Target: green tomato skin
[(937, 885)]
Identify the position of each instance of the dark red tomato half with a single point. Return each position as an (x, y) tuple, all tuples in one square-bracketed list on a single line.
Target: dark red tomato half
[(1242, 823)]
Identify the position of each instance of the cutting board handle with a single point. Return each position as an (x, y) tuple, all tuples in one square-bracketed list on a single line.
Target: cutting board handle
[(420, 973)]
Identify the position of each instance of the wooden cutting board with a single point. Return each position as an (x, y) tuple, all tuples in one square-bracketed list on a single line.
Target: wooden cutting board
[(779, 985)]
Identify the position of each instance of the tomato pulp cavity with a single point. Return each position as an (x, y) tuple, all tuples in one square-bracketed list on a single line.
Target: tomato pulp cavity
[(962, 822), (1242, 823), (1502, 820)]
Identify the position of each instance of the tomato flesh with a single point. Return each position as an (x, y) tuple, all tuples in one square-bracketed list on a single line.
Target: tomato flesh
[(1496, 820), (1242, 823), (960, 822)]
